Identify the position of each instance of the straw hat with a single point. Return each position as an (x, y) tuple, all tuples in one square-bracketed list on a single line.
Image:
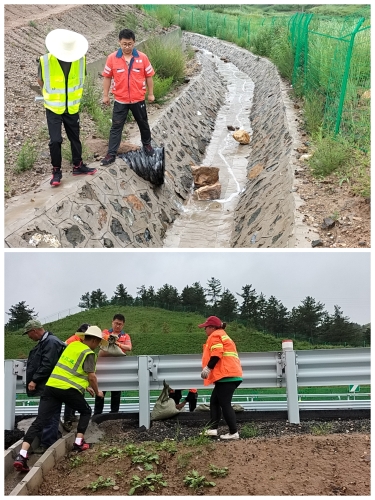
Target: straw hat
[(66, 45), (94, 331)]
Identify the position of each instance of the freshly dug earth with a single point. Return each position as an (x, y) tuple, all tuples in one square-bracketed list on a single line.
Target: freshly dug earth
[(282, 459)]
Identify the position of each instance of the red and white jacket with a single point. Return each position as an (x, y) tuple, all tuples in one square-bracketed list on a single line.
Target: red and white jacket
[(129, 81)]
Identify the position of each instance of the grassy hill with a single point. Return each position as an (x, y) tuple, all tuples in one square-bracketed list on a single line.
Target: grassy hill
[(153, 331)]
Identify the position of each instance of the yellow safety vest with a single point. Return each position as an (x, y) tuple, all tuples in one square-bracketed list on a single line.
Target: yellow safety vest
[(68, 372), (54, 84)]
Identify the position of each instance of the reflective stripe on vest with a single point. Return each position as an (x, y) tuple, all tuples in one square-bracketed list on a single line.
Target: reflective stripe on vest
[(54, 84), (68, 371)]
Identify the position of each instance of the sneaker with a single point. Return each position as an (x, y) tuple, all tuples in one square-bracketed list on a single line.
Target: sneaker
[(40, 450), (230, 436), (20, 464), (107, 160), (68, 426), (209, 432), (56, 177), (83, 169), (148, 149), (82, 447)]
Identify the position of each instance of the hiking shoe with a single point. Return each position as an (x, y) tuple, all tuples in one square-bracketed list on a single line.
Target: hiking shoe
[(82, 447), (107, 160), (40, 450), (230, 436), (68, 426), (148, 149), (56, 177), (83, 169), (209, 432), (20, 464)]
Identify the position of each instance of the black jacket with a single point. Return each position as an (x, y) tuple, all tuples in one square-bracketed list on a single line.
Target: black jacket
[(41, 361)]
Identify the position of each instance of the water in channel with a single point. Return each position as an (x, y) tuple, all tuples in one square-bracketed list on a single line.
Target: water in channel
[(205, 224)]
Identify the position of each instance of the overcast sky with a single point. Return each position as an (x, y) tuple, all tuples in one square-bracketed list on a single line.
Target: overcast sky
[(52, 282)]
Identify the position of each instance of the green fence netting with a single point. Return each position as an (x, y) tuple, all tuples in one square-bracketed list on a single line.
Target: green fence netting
[(330, 59)]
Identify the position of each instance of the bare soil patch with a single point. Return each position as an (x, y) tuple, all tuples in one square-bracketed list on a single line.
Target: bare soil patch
[(283, 460)]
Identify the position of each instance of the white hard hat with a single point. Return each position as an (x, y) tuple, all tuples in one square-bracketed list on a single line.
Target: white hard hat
[(66, 45)]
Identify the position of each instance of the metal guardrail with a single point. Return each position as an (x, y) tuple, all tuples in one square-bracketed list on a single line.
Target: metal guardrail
[(287, 368)]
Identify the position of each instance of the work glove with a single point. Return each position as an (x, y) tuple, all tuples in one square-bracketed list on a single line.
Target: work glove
[(205, 372)]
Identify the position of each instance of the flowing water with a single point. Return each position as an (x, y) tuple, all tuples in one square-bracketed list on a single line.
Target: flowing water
[(205, 224)]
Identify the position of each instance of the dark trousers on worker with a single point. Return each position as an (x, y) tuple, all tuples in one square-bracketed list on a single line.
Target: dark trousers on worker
[(221, 403), (51, 402), (50, 432), (119, 115), (71, 125), (115, 403)]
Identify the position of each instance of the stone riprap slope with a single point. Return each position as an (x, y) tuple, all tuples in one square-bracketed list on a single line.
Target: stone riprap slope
[(265, 215), (116, 208)]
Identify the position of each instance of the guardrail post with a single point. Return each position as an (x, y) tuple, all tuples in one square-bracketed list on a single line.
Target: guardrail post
[(10, 382), (144, 390), (291, 381)]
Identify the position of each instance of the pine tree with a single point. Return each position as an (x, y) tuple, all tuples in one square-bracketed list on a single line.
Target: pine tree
[(213, 292), (85, 302), (19, 314), (227, 306), (121, 297), (194, 297), (249, 307), (168, 296), (98, 299)]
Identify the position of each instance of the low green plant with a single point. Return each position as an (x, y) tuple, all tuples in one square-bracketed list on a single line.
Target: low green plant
[(313, 111), (330, 155), (101, 482), (76, 462), (150, 482), (184, 460), (111, 452), (321, 429), (218, 471), (249, 431), (32, 24), (26, 157), (195, 481), (167, 60), (161, 87), (165, 15), (199, 440), (167, 445), (128, 20), (91, 104), (140, 455)]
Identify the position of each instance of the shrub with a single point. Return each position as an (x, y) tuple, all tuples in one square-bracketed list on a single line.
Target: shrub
[(26, 157), (167, 60), (330, 155), (162, 87)]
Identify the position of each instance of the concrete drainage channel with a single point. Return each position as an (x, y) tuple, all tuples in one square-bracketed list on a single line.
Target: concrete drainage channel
[(118, 209)]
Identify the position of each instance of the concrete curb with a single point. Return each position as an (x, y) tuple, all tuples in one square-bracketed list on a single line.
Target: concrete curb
[(34, 478)]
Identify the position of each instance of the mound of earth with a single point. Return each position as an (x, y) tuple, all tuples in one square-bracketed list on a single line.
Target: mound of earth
[(282, 459)]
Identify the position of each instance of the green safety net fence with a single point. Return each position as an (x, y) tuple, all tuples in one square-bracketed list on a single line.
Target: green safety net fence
[(330, 59)]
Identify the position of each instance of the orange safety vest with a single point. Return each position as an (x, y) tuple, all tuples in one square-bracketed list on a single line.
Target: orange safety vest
[(221, 345)]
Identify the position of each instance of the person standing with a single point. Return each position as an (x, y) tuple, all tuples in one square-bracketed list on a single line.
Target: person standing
[(131, 72), (221, 367), (73, 374), (69, 413), (61, 75), (40, 363), (123, 341)]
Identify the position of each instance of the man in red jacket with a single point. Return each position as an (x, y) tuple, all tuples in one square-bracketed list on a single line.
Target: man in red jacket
[(131, 72)]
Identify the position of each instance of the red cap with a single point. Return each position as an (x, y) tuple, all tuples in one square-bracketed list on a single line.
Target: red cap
[(211, 321)]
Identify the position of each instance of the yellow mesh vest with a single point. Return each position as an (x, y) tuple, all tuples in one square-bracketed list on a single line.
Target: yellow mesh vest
[(68, 372), (54, 91)]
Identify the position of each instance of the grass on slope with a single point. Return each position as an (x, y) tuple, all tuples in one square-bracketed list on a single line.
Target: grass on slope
[(153, 331)]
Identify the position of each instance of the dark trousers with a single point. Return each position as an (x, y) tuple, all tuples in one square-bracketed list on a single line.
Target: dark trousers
[(119, 115), (192, 399), (115, 403), (69, 413), (51, 402), (221, 401), (71, 125), (50, 433)]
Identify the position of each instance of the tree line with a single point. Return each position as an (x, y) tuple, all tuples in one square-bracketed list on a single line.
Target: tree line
[(308, 321)]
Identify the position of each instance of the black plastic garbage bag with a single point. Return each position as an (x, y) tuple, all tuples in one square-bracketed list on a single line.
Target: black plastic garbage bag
[(150, 168)]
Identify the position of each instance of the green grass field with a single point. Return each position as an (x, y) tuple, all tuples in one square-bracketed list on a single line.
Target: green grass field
[(153, 331)]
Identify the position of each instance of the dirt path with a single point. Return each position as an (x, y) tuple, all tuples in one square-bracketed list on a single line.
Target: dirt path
[(15, 17)]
